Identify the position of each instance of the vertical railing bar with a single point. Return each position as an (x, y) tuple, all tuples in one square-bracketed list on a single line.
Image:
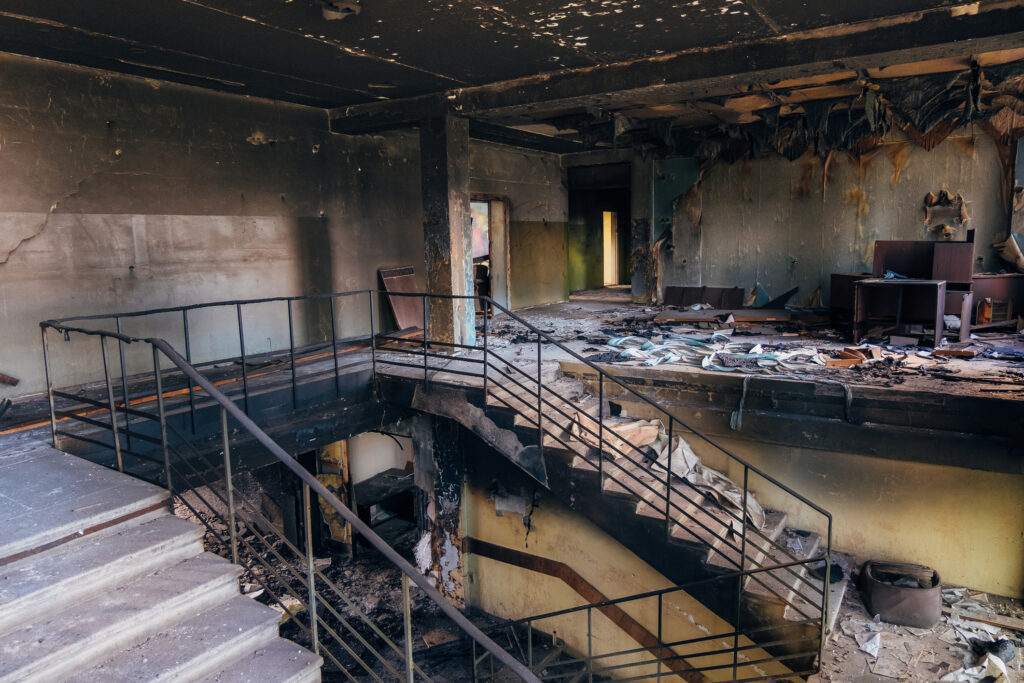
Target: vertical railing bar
[(424, 340), (407, 614), (188, 357), (310, 567), (484, 301), (124, 386), (600, 430), (661, 650), (740, 580), (590, 648), (49, 387), (824, 592), (111, 405), (540, 402), (475, 676), (291, 354), (241, 346), (229, 485), (529, 644), (163, 419), (668, 482), (373, 348), (334, 350)]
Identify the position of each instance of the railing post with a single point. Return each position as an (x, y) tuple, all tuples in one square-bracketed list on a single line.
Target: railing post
[(163, 420), (424, 340), (310, 567), (540, 402), (111, 405), (124, 387), (291, 354), (742, 578), (600, 429), (49, 388), (241, 346), (668, 482), (476, 678), (373, 348), (590, 648), (334, 350), (529, 644), (661, 650), (485, 352), (188, 357), (824, 591), (407, 613), (229, 485)]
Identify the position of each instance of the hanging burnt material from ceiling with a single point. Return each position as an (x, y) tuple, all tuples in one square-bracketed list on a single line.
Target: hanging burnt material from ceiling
[(926, 108)]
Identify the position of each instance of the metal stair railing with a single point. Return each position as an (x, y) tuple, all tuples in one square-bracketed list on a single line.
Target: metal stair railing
[(739, 654), (502, 378), (334, 626)]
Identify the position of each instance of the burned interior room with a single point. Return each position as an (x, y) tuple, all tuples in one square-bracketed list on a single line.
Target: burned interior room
[(366, 340)]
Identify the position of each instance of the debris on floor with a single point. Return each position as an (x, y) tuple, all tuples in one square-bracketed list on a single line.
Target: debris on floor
[(863, 647)]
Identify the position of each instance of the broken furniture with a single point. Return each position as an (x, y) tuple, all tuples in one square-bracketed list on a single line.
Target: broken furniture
[(1004, 292), (407, 310), (391, 490), (904, 300), (902, 593)]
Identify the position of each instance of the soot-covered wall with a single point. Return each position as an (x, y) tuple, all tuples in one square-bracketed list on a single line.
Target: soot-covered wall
[(124, 194), (778, 223)]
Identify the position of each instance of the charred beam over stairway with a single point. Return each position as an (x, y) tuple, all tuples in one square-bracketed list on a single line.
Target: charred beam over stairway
[(706, 71)]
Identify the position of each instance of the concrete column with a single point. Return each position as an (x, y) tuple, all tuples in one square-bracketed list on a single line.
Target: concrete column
[(444, 159), (640, 238)]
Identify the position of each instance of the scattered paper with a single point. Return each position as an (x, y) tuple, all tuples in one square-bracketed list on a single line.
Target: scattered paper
[(887, 665), (991, 669), (869, 642)]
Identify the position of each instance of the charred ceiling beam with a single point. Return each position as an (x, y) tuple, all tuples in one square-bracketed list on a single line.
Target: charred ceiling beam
[(482, 130), (711, 71)]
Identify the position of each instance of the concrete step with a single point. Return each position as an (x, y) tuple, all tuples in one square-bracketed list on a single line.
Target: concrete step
[(784, 585), (190, 649), (48, 497), (47, 582), (92, 630), (836, 591), (759, 542), (280, 661)]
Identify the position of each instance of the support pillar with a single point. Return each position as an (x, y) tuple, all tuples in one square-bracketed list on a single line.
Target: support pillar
[(447, 232), (641, 242)]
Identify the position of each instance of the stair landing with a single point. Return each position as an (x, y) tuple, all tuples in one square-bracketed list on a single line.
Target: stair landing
[(98, 581)]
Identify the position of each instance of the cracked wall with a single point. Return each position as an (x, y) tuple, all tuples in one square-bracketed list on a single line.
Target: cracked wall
[(126, 194)]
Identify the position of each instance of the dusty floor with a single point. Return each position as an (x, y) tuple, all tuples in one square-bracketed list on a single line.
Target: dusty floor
[(586, 326), (919, 655)]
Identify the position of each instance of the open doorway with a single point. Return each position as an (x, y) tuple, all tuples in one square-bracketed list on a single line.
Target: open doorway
[(489, 216), (611, 247)]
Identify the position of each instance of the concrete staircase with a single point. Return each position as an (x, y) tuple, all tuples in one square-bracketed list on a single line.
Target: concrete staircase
[(783, 603), (98, 581)]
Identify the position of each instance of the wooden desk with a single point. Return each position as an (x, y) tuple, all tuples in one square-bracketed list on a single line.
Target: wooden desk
[(897, 287)]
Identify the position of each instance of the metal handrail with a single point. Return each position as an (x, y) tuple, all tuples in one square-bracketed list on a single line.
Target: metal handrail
[(423, 344)]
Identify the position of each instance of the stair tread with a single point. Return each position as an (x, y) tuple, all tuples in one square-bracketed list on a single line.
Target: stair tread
[(781, 584), (281, 661), (47, 495), (758, 544), (90, 629), (835, 595), (89, 564), (200, 643)]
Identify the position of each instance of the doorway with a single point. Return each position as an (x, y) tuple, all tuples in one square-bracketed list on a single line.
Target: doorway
[(489, 217), (610, 223)]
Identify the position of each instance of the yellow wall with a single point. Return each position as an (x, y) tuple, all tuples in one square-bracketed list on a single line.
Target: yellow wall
[(560, 534), (967, 524)]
